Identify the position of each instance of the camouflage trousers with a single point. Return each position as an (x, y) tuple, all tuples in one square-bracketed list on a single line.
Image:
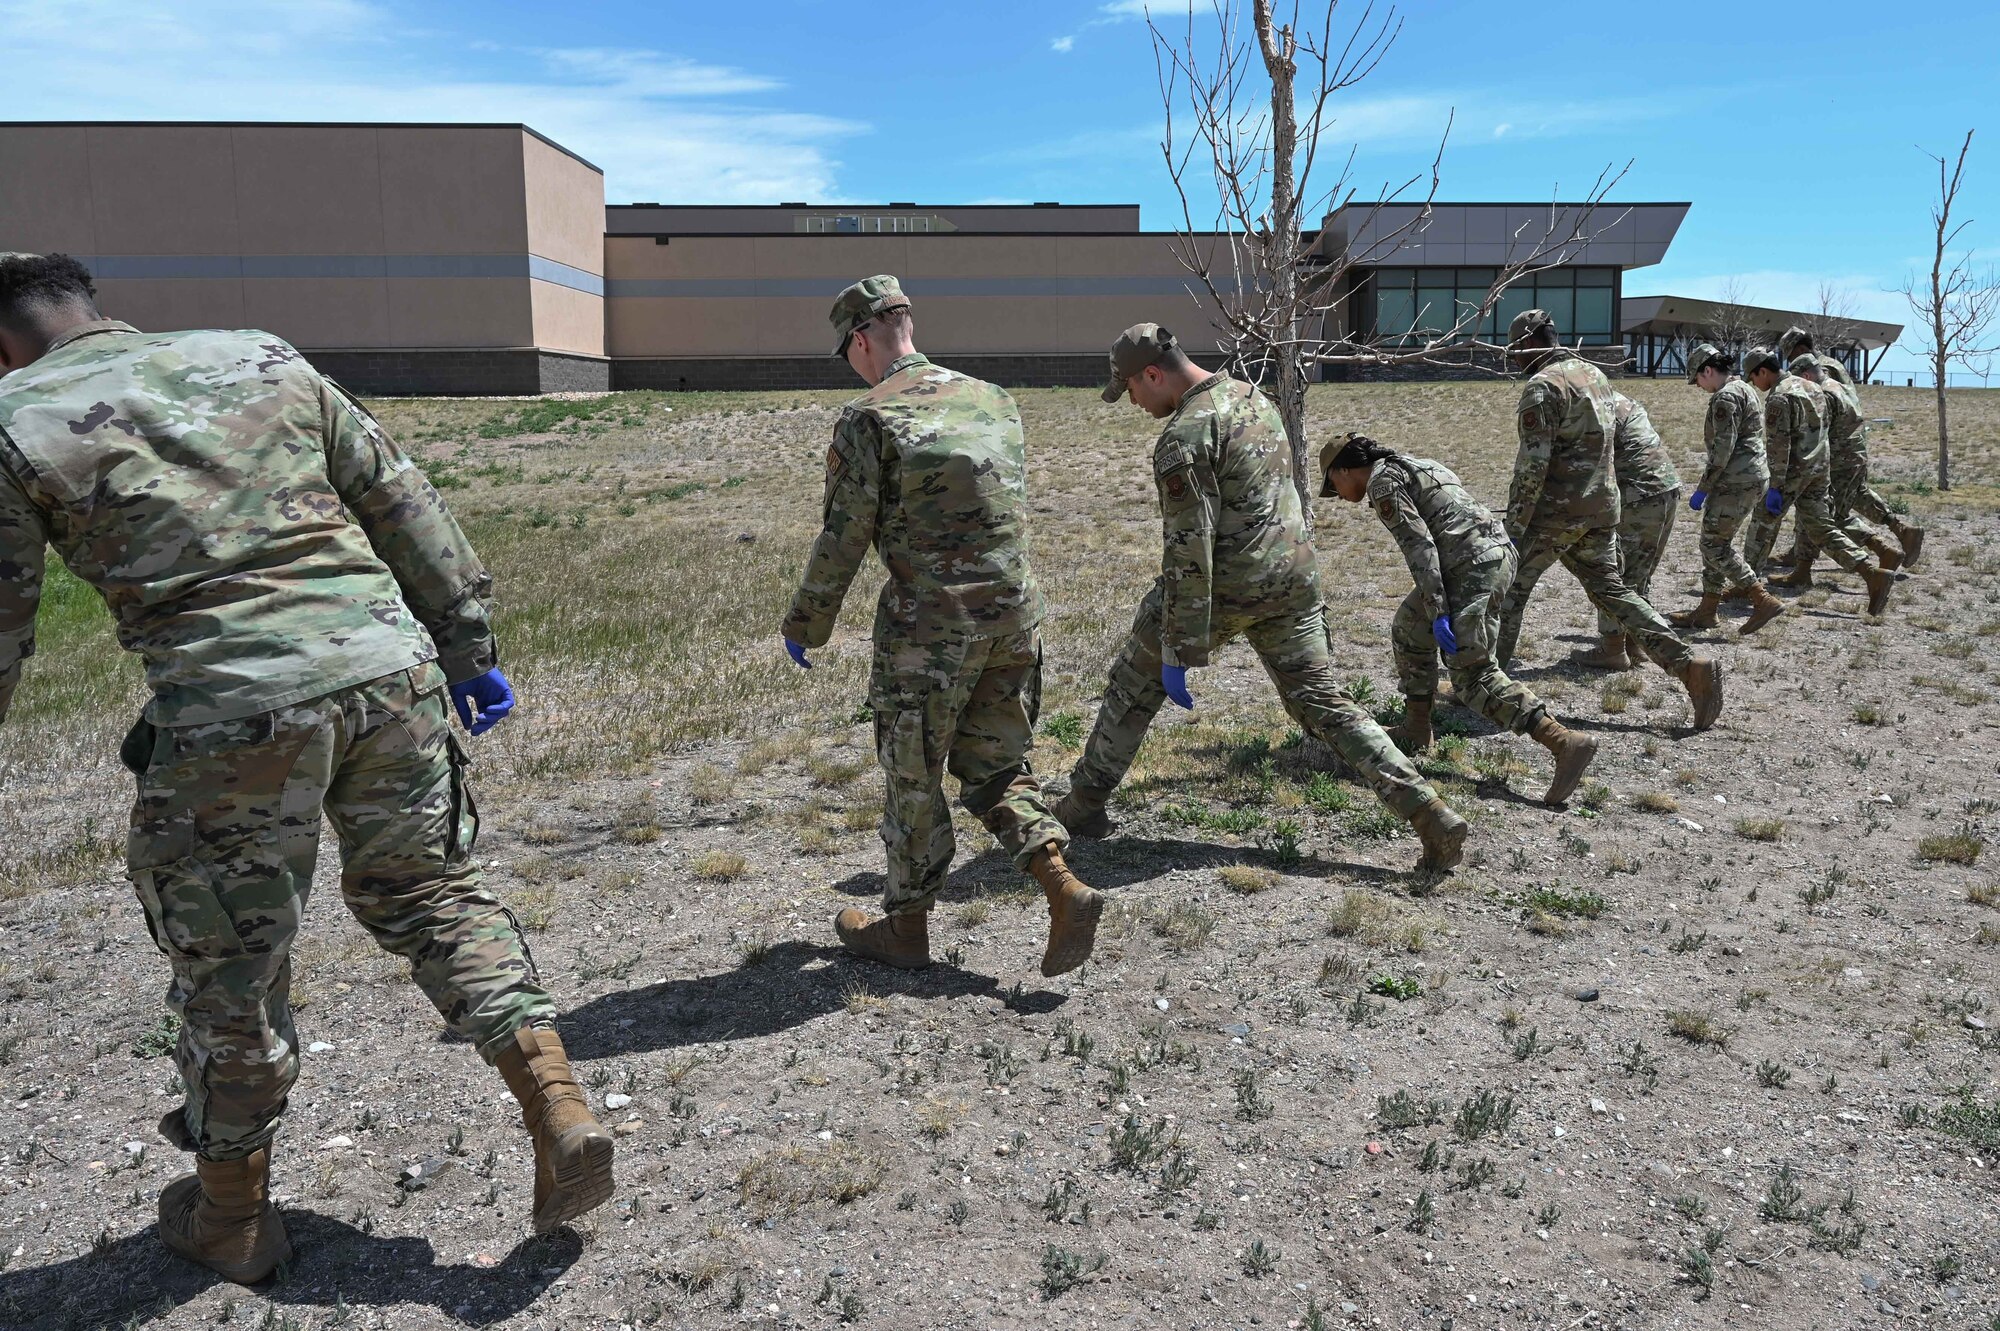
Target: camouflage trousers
[(1476, 677), (1817, 528), (968, 706), (1591, 556), (225, 833), (1293, 648), (1644, 528), (1722, 513), (1853, 499), (1853, 495)]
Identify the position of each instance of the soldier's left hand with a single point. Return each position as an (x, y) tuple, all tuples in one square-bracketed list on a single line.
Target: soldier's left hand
[(1774, 500), (1174, 679), (490, 694), (1447, 640)]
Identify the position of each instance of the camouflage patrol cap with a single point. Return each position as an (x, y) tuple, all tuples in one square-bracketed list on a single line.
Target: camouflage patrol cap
[(1528, 323), (863, 301), (1789, 340), (1760, 358), (1136, 348), (1701, 356), (1804, 363)]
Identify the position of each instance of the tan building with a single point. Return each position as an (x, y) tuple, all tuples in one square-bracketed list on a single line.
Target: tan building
[(404, 258), (482, 259)]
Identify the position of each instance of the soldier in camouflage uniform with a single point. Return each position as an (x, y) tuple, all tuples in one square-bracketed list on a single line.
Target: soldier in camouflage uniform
[(1649, 492), (308, 612), (1796, 452), (1847, 438), (1563, 504), (1731, 487), (929, 468), (1237, 562), (1462, 564)]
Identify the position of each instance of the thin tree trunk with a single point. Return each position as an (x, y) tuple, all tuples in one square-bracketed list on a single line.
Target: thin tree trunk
[(1282, 242), (1944, 431)]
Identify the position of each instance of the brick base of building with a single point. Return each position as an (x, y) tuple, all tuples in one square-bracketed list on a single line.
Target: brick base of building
[(745, 373), (469, 372)]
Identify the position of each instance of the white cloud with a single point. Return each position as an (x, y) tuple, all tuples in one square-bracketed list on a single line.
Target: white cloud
[(1062, 45), (1501, 128), (661, 126)]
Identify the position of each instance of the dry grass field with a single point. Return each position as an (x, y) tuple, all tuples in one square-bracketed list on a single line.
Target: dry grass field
[(1712, 1047)]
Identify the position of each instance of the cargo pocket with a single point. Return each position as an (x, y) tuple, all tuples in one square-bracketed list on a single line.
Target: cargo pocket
[(1031, 690), (462, 833), (183, 913)]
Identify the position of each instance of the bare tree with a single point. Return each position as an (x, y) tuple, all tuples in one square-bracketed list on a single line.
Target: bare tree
[(1832, 321), (1249, 137), (1730, 325), (1957, 308)]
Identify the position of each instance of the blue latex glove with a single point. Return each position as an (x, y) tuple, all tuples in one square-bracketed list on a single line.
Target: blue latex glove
[(490, 694), (1447, 640), (1175, 680), (1774, 501), (1697, 499), (798, 655)]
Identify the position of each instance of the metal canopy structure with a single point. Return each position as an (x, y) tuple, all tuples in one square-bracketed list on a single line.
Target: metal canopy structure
[(1660, 331)]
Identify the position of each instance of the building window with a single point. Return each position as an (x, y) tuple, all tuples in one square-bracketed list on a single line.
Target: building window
[(1408, 306)]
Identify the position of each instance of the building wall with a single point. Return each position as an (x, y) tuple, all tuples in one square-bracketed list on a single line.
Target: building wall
[(730, 297), (632, 219), (564, 201), (335, 237)]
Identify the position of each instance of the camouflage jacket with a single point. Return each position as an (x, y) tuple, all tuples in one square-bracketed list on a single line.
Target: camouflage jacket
[(1444, 532), (1564, 475), (1835, 370), (1846, 428), (1733, 430), (1638, 455), (1794, 432), (929, 468), (258, 539), (1235, 534)]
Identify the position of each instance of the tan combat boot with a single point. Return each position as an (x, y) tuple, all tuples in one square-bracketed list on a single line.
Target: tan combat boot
[(1912, 541), (903, 941), (1609, 654), (1735, 594), (572, 1149), (1413, 733), (1702, 678), (221, 1216), (1635, 652), (1081, 812), (1572, 751), (1074, 910), (1880, 583), (1442, 834), (1888, 556), (1764, 608), (1800, 577), (1701, 617)]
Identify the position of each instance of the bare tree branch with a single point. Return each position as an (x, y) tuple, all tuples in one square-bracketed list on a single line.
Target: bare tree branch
[(1959, 308), (1275, 291)]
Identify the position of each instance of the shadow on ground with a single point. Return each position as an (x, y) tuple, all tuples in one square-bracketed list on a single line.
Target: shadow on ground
[(782, 990), (134, 1280)]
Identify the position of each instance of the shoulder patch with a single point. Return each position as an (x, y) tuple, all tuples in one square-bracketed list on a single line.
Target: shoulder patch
[(1170, 454), (1175, 483)]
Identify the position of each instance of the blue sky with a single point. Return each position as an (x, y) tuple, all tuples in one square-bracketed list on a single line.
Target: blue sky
[(1797, 133)]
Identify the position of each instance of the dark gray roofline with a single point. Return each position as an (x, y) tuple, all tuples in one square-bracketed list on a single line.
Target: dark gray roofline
[(871, 207), (300, 124), (1531, 203)]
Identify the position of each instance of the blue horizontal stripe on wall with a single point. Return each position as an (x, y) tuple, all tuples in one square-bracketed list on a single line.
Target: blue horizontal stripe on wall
[(221, 266), (826, 288)]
